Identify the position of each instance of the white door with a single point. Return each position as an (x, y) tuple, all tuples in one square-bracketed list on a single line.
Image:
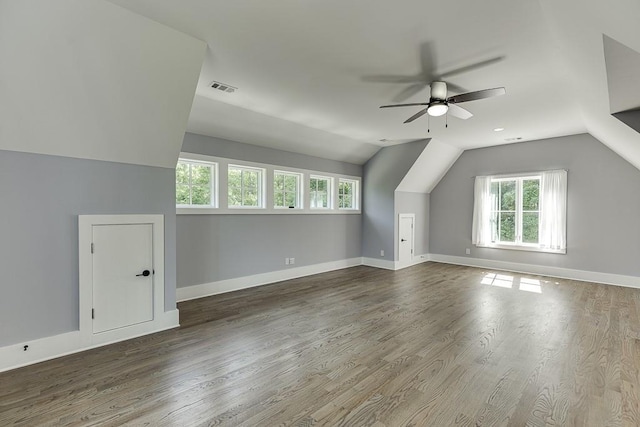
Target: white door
[(405, 235), (122, 257)]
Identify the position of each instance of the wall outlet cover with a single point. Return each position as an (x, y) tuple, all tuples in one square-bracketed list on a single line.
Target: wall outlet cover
[(467, 251), (381, 252)]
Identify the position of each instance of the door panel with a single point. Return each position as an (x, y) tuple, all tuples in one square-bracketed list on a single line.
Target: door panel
[(406, 238), (120, 297)]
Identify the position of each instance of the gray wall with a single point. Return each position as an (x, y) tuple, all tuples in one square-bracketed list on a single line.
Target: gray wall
[(418, 204), (42, 197), (217, 247), (602, 211), (382, 174)]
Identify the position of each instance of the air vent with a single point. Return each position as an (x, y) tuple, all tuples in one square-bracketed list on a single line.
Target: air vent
[(519, 138), (223, 87)]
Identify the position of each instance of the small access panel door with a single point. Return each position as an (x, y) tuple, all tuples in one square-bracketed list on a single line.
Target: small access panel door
[(122, 256)]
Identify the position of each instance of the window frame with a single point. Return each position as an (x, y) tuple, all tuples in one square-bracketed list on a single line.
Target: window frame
[(329, 180), (299, 192), (268, 194), (355, 195), (259, 187), (518, 242), (213, 183)]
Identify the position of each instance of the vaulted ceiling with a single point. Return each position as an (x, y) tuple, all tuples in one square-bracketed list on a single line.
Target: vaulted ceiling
[(310, 75)]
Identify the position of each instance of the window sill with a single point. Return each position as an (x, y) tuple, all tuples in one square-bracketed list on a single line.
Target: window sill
[(262, 211), (524, 248)]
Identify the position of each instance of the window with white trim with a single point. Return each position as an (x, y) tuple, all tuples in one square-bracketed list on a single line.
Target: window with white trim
[(515, 210), (320, 192), (347, 194), (244, 185), (196, 184), (286, 190), (525, 211)]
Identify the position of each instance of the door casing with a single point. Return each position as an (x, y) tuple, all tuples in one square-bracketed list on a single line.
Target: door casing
[(413, 222)]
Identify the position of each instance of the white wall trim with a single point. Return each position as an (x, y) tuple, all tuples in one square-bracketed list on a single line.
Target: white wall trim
[(544, 270), (14, 356), (398, 265), (237, 283), (379, 263)]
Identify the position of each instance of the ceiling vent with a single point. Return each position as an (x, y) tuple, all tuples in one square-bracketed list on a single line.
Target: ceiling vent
[(519, 138), (223, 87)]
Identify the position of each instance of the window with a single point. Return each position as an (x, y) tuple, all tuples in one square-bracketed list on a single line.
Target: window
[(245, 187), (196, 183), (286, 190), (521, 212), (347, 194), (320, 192), (515, 210)]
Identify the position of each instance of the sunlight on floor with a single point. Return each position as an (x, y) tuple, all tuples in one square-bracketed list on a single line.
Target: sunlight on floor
[(506, 281)]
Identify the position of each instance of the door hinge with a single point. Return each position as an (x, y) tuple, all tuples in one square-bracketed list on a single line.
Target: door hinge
[(91, 247), (93, 313)]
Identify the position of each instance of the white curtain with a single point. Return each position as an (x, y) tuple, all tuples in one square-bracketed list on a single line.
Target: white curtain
[(481, 227), (553, 210)]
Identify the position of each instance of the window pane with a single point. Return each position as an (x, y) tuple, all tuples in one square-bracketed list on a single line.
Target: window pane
[(323, 185), (291, 183), (278, 198), (182, 194), (530, 227), (278, 181), (494, 226), (290, 200), (200, 175), (250, 197), (507, 227), (495, 196), (347, 201), (325, 200), (200, 195), (250, 179), (313, 184), (508, 195), (182, 173), (530, 194)]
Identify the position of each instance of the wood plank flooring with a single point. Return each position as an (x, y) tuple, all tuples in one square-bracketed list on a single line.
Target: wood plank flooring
[(430, 345)]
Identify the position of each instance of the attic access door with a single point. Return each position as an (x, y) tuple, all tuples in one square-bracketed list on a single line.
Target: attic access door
[(121, 273), (122, 282), (405, 238)]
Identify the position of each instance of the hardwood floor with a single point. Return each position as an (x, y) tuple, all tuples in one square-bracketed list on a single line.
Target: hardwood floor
[(431, 345)]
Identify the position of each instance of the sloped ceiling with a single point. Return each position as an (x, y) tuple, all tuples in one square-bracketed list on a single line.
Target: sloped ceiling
[(89, 79)]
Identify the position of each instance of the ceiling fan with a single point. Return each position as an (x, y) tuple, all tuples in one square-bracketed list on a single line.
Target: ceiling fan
[(439, 104)]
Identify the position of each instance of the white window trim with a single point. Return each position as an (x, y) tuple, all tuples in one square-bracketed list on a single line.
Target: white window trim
[(355, 195), (214, 184), (261, 185), (529, 247), (299, 192), (268, 209), (330, 186)]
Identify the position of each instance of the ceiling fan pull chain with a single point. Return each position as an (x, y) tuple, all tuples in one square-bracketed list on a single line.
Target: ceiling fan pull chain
[(446, 120), (428, 123)]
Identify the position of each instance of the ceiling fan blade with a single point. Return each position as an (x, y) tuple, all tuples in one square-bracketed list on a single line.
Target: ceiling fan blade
[(471, 67), (404, 105), (416, 115), (459, 112), (473, 96), (409, 92)]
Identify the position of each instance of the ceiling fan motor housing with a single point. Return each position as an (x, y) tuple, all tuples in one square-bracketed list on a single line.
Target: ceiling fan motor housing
[(439, 90)]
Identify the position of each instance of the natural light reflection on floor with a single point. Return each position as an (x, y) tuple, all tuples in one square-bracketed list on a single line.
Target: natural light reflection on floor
[(530, 285), (506, 281)]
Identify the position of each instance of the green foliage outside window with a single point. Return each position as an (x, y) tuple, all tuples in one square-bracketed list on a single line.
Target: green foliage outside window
[(193, 184)]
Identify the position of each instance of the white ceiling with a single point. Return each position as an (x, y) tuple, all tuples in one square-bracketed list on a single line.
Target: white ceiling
[(301, 68)]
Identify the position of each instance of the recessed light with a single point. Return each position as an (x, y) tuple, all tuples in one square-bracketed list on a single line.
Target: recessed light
[(498, 129)]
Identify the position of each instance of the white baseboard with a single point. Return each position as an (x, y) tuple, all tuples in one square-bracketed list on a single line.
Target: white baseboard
[(419, 259), (543, 270), (14, 356), (379, 263), (237, 283)]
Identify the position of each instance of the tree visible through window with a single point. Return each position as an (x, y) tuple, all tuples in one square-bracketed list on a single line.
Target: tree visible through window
[(515, 213), (319, 192), (286, 189), (347, 194), (244, 186), (194, 183)]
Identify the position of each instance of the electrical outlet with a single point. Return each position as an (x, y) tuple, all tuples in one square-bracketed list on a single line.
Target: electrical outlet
[(381, 252), (467, 251), (286, 261), (292, 261)]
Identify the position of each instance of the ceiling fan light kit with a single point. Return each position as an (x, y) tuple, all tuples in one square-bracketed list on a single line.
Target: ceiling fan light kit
[(437, 108)]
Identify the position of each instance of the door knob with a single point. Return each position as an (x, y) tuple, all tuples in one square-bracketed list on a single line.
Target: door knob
[(403, 240), (144, 273)]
